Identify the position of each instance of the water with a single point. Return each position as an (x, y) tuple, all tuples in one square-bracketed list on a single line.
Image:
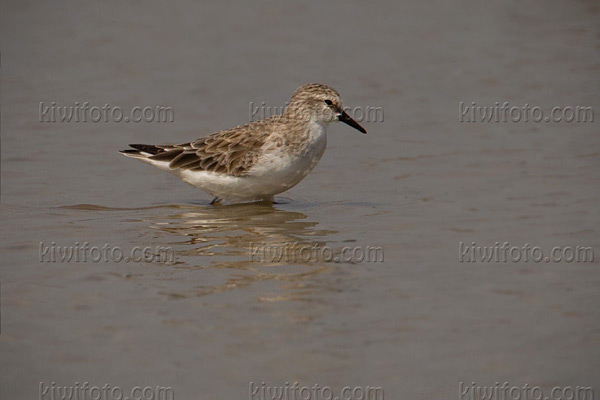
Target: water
[(214, 319)]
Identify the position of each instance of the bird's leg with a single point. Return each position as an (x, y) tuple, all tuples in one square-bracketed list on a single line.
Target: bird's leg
[(215, 202)]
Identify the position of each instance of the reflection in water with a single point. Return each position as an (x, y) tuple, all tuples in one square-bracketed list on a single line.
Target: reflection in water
[(219, 240), (223, 237)]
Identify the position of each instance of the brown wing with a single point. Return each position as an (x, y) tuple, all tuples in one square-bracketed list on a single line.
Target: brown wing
[(231, 152)]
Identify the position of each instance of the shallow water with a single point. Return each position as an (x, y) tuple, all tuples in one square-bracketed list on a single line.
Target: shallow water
[(214, 317)]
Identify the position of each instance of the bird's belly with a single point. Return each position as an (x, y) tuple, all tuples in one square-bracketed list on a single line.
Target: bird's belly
[(274, 173), (277, 172)]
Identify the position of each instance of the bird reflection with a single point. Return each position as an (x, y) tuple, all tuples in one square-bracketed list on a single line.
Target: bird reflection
[(234, 238)]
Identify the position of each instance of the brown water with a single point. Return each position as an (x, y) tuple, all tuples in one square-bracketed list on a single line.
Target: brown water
[(212, 320)]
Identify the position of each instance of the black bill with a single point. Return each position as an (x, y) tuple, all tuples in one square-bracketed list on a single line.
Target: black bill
[(345, 118)]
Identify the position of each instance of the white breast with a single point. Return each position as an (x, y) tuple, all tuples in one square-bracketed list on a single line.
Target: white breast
[(275, 171), (282, 169)]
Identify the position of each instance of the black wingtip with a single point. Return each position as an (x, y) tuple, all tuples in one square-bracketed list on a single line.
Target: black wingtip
[(148, 148), (129, 151)]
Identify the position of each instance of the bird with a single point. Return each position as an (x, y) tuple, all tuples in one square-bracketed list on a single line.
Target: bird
[(256, 161)]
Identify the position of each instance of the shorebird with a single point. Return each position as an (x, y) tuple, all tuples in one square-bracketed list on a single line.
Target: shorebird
[(256, 161)]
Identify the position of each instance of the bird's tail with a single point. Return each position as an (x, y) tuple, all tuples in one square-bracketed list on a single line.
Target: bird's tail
[(142, 150), (150, 154)]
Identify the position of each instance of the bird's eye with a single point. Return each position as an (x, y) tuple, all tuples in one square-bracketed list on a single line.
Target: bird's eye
[(328, 102)]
